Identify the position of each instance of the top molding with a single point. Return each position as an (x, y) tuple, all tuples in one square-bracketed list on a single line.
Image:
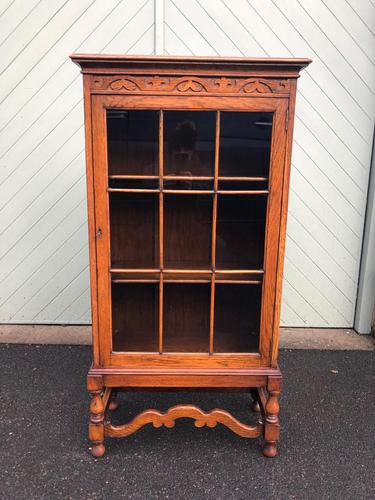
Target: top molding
[(132, 64)]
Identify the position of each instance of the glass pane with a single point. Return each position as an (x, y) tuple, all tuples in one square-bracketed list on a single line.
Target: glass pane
[(132, 142), (187, 231), (189, 143), (135, 316), (134, 230), (186, 317), (240, 231), (245, 144), (237, 318)]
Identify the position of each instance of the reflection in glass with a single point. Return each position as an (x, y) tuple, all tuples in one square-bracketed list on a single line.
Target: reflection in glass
[(189, 143), (132, 142), (245, 144)]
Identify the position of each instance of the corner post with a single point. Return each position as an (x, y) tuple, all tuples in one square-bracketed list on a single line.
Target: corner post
[(96, 419), (272, 423)]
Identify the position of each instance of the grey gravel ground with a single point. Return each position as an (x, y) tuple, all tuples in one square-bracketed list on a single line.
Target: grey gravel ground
[(326, 451)]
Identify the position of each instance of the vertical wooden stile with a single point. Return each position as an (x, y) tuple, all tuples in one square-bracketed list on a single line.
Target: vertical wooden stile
[(161, 229), (213, 238)]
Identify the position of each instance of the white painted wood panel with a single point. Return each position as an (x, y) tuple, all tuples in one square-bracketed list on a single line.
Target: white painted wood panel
[(43, 228), (43, 219), (333, 131)]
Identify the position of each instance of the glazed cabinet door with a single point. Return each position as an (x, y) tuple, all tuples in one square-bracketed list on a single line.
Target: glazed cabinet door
[(187, 204)]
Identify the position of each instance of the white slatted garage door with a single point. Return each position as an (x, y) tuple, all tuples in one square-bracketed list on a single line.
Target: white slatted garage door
[(43, 247)]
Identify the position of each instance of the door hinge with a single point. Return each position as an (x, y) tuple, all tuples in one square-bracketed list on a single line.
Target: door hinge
[(286, 119)]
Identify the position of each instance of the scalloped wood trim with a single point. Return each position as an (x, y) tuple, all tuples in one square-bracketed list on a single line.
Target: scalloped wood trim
[(168, 418)]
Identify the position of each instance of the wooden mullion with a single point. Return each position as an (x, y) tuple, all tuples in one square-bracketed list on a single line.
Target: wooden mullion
[(161, 228), (132, 190), (238, 282), (240, 271), (133, 176), (187, 280), (250, 179), (187, 178), (135, 280), (188, 191), (187, 271), (161, 309), (214, 224), (244, 191), (133, 270)]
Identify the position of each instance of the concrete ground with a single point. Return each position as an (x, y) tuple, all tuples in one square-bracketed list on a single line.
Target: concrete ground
[(290, 338), (326, 450)]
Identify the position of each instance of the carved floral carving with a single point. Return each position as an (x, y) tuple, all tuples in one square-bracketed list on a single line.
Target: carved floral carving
[(256, 86), (123, 83), (157, 83), (191, 84), (194, 85)]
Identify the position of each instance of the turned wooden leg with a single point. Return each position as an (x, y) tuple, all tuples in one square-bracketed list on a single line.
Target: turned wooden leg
[(96, 419), (114, 402), (255, 404), (272, 424)]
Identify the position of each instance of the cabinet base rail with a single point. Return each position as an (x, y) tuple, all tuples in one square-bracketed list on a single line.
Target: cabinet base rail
[(265, 403)]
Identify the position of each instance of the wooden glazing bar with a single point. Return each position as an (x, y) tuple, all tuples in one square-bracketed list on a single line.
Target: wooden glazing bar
[(226, 178), (217, 145), (188, 271), (161, 310), (187, 178), (245, 191), (118, 176), (134, 270), (213, 236), (161, 230), (135, 280), (239, 271), (212, 313), (161, 227), (188, 191), (126, 190), (187, 280), (238, 282)]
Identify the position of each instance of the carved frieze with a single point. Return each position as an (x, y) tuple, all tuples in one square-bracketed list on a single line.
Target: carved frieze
[(190, 85)]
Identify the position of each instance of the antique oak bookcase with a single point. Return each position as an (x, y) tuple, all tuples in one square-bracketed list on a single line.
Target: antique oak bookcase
[(188, 162)]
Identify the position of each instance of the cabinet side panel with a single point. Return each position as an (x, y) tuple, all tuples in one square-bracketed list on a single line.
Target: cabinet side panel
[(91, 217), (283, 221)]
